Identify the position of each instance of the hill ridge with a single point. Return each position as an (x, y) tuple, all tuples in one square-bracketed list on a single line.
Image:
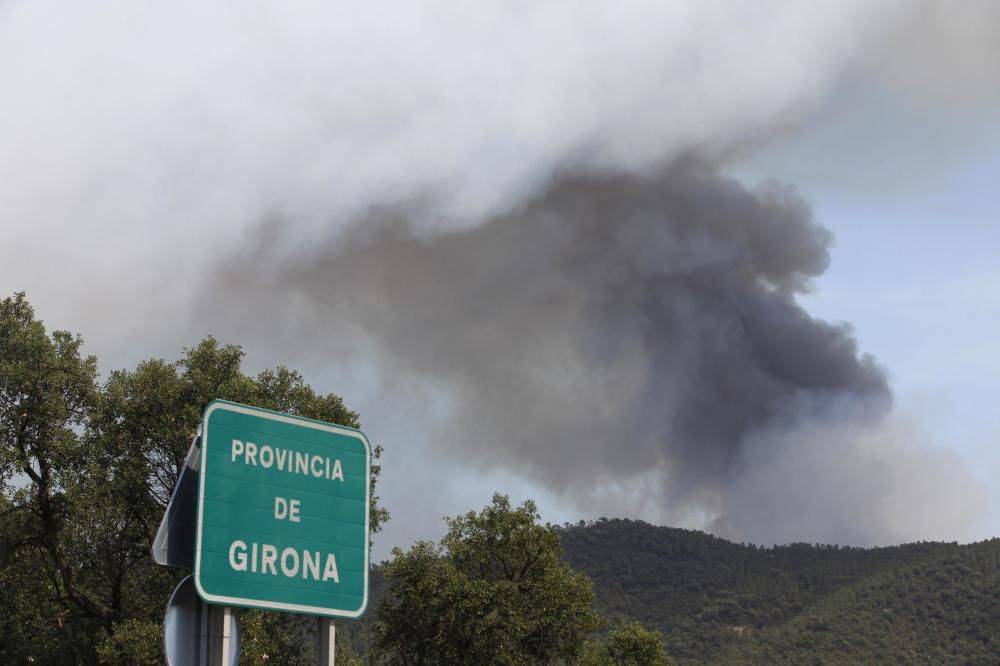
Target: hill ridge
[(717, 601)]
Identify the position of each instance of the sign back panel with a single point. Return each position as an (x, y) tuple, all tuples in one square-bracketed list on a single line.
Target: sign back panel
[(283, 513)]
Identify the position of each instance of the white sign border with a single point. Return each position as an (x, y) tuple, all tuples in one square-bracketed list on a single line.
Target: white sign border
[(296, 420)]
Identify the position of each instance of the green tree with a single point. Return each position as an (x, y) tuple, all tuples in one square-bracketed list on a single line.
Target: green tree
[(628, 644), (47, 389), (631, 644), (133, 642), (86, 470), (493, 591)]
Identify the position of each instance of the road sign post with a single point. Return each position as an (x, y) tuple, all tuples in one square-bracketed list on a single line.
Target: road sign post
[(220, 637), (283, 513), (326, 641), (197, 634)]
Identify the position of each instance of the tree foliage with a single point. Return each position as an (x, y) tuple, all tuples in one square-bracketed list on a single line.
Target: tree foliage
[(493, 591), (86, 470), (628, 644), (631, 644)]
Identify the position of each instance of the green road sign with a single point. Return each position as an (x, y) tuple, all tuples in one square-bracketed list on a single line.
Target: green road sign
[(282, 513)]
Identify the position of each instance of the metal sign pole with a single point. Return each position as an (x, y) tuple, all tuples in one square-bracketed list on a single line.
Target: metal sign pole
[(326, 641), (221, 648), (204, 640)]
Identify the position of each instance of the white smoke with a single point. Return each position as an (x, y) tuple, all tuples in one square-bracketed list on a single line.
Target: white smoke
[(143, 141)]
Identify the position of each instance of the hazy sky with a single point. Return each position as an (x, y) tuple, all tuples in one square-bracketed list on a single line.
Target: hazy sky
[(384, 199)]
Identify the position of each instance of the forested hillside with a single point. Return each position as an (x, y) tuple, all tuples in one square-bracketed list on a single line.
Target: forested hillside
[(720, 602)]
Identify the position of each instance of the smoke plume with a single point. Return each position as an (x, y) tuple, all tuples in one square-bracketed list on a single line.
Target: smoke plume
[(615, 331), (516, 215)]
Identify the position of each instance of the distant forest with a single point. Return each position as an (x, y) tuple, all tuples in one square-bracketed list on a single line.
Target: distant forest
[(720, 602)]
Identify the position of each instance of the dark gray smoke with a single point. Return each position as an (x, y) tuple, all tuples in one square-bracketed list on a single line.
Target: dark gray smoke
[(621, 339)]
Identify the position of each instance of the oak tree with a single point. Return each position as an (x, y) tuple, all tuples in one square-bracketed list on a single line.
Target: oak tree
[(493, 591)]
